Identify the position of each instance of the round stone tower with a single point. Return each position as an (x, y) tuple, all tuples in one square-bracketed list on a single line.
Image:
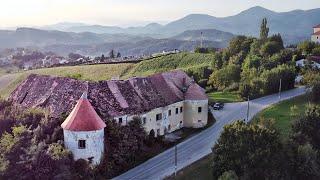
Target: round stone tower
[(83, 132)]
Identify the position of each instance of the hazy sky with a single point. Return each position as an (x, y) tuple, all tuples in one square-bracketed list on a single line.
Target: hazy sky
[(128, 12)]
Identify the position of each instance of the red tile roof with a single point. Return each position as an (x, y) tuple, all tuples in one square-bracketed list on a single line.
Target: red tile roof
[(317, 26), (315, 59), (83, 117), (195, 92)]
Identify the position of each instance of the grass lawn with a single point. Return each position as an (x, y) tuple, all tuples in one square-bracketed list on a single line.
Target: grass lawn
[(199, 170), (281, 113), (2, 72), (225, 97)]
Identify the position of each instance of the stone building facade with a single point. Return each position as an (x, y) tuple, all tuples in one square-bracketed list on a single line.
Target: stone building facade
[(315, 37)]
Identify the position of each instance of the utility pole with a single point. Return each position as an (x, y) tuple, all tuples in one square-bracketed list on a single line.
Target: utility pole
[(201, 39), (248, 107), (175, 159), (280, 88)]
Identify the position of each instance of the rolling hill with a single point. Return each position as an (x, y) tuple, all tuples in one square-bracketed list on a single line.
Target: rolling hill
[(207, 34), (92, 44)]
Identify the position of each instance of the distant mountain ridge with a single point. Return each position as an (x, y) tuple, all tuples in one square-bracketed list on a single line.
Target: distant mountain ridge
[(204, 34), (88, 43), (292, 23), (183, 34)]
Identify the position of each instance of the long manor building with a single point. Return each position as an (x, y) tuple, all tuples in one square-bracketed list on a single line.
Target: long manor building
[(164, 102)]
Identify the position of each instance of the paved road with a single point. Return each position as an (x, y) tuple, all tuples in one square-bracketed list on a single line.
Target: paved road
[(200, 145)]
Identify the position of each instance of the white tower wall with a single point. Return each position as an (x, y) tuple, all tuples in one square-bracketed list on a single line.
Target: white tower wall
[(94, 144)]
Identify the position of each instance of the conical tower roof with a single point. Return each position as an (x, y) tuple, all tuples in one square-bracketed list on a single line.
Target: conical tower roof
[(83, 117)]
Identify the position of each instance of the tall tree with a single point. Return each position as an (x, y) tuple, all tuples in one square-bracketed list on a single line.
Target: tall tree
[(251, 151), (264, 30), (111, 54)]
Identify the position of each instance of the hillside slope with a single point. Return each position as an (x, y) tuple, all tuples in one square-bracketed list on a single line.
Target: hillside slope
[(185, 61), (207, 34)]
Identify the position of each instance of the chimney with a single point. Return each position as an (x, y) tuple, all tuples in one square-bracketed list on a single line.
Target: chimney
[(184, 81)]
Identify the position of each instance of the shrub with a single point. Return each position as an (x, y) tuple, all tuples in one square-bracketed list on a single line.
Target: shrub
[(315, 93)]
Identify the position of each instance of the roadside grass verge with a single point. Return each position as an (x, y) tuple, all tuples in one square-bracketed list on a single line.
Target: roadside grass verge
[(224, 97), (161, 145), (200, 169), (283, 115)]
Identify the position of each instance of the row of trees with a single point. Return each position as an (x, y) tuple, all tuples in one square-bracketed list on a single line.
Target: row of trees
[(256, 151), (254, 66)]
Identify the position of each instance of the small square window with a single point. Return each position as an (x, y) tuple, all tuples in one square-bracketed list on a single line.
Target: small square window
[(120, 120), (199, 109), (177, 110), (181, 109), (158, 116), (82, 144), (199, 121), (169, 112)]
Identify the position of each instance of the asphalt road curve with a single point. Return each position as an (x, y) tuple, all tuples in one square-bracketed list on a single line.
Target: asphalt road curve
[(200, 145)]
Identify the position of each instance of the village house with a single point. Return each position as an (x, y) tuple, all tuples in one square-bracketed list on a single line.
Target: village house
[(312, 61), (316, 34)]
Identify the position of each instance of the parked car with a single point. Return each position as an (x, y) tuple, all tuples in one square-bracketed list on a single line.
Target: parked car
[(218, 106)]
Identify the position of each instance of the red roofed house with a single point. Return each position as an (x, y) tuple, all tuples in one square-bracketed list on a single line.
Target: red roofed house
[(83, 132), (316, 34)]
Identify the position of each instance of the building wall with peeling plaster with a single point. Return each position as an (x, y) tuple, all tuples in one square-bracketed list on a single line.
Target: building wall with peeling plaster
[(190, 117), (94, 144)]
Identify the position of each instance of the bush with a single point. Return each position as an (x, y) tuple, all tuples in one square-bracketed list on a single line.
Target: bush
[(75, 76), (316, 51), (270, 48), (315, 93), (247, 150), (224, 77)]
